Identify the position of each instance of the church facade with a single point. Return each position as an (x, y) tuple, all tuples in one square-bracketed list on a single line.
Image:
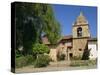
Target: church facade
[(75, 45), (81, 34)]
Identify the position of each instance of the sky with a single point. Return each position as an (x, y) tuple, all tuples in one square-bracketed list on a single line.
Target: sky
[(66, 15)]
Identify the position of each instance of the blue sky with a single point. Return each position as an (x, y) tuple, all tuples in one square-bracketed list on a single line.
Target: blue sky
[(67, 14)]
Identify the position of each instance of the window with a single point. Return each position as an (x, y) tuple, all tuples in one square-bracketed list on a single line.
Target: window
[(80, 49), (79, 32), (71, 56), (63, 43)]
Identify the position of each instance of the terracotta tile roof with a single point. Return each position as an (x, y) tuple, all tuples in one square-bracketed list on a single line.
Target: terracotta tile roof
[(67, 37), (69, 46), (46, 41), (92, 39)]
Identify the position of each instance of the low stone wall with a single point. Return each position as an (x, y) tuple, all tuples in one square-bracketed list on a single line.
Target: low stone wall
[(53, 54)]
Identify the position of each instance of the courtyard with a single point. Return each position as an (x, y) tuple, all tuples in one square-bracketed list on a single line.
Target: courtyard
[(60, 66)]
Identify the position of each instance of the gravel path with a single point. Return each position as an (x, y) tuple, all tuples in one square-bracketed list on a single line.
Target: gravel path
[(54, 66)]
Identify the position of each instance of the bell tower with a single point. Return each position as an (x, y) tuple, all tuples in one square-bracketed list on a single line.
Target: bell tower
[(80, 35)]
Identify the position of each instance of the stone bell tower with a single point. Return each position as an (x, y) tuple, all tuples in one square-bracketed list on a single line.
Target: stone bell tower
[(80, 35)]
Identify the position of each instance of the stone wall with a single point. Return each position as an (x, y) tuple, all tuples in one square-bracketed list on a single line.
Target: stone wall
[(53, 54), (79, 45)]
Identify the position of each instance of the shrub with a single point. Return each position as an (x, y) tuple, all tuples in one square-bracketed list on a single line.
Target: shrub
[(61, 57), (18, 53), (40, 49), (30, 59), (92, 62), (24, 61), (42, 61), (86, 55), (20, 62)]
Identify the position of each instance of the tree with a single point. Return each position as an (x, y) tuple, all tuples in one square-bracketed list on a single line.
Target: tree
[(32, 20), (40, 49), (86, 54)]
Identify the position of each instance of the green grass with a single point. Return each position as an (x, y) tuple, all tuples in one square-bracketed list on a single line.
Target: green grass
[(77, 63)]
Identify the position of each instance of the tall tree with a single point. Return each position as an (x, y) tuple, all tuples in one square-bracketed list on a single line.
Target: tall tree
[(32, 20)]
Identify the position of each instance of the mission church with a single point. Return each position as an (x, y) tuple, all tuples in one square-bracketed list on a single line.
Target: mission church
[(78, 44)]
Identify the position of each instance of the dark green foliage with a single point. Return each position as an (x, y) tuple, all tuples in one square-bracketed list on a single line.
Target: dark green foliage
[(32, 20), (40, 49), (30, 59), (61, 57), (18, 53), (24, 61), (86, 55), (42, 61)]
